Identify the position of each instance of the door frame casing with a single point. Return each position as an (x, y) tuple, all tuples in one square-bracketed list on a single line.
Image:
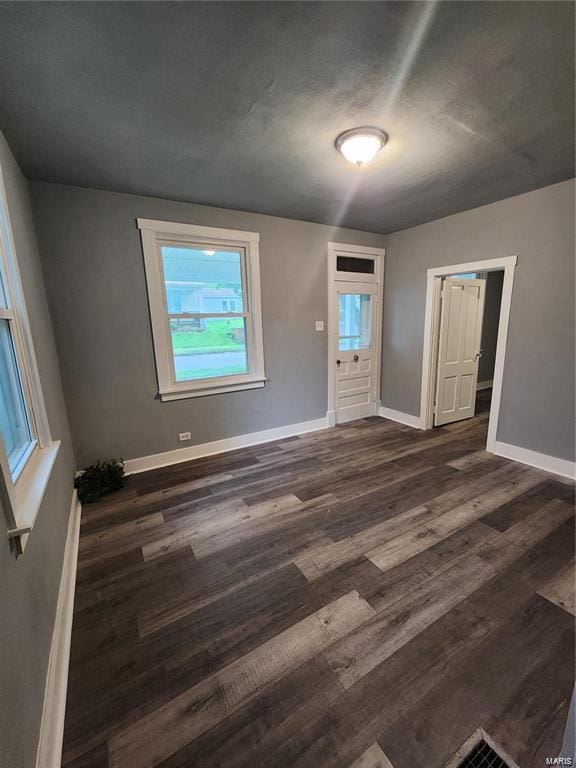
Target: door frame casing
[(431, 333), (358, 251)]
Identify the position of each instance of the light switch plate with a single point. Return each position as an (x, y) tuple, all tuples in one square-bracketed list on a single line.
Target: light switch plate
[(319, 325)]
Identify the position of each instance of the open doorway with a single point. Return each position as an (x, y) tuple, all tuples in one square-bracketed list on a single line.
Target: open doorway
[(467, 339), (477, 379)]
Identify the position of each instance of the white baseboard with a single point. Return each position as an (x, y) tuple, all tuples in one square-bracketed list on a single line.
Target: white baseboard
[(157, 460), (535, 459), (402, 418), (484, 385), (49, 754)]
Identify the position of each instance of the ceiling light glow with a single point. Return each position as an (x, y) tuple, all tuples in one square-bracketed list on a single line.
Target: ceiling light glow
[(360, 145), (208, 253)]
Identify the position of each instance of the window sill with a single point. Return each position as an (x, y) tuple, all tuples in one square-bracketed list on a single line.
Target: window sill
[(210, 390), (29, 492)]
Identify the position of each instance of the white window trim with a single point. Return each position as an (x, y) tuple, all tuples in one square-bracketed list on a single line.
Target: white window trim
[(22, 493), (154, 234)]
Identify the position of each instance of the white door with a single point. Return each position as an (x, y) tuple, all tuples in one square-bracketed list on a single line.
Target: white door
[(459, 349), (356, 352)]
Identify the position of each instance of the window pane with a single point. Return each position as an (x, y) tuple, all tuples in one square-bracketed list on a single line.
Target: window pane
[(354, 321), (467, 275), (202, 281), (13, 419), (208, 346), (353, 264)]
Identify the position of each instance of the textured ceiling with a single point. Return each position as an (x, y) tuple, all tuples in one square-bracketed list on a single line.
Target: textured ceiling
[(238, 104)]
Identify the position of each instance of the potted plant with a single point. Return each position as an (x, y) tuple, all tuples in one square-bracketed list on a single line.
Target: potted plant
[(98, 479)]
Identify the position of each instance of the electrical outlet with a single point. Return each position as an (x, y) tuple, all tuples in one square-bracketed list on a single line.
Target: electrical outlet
[(184, 436), (319, 325)]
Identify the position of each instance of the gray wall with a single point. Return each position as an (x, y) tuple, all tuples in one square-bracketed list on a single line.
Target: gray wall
[(537, 410), (492, 301), (569, 741), (95, 280), (30, 583)]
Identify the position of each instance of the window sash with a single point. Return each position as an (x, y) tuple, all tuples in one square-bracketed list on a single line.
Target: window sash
[(205, 245), (15, 408), (198, 315), (21, 372), (246, 302), (26, 455)]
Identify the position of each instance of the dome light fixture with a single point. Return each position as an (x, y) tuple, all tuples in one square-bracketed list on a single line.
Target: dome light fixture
[(361, 145), (208, 253)]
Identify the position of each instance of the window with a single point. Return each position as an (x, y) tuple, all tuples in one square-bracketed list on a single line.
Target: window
[(14, 421), (354, 321), (355, 264), (27, 453), (467, 276), (204, 296)]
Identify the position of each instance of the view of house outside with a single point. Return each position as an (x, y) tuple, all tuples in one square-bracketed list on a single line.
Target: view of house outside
[(200, 282)]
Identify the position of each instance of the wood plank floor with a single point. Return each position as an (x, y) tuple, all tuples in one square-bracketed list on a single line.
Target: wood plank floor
[(364, 596)]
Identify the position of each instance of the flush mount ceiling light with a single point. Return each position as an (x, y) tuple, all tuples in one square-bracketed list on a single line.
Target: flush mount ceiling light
[(360, 145), (208, 253)]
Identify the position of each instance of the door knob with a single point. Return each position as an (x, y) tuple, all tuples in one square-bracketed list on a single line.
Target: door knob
[(478, 354), (338, 362), (356, 358)]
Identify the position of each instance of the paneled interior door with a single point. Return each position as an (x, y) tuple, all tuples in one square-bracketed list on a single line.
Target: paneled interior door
[(459, 350), (356, 354)]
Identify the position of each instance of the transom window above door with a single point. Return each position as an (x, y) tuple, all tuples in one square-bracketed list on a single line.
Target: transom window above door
[(204, 295)]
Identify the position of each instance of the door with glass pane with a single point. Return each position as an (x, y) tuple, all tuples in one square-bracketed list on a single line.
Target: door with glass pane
[(355, 354)]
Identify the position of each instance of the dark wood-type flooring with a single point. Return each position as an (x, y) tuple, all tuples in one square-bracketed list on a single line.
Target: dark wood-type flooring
[(354, 596)]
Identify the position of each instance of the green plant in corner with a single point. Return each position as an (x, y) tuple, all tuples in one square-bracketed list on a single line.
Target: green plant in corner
[(98, 479)]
